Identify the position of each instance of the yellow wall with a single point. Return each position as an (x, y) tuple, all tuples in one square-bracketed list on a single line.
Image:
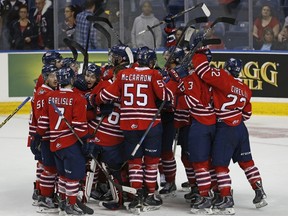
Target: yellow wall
[(258, 108)]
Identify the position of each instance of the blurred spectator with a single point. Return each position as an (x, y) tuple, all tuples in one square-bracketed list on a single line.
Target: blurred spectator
[(67, 28), (266, 20), (83, 26), (43, 18), (23, 32), (211, 34), (9, 12), (268, 42), (140, 24), (282, 34)]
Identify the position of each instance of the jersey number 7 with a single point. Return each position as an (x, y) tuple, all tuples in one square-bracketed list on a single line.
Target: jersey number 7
[(62, 110)]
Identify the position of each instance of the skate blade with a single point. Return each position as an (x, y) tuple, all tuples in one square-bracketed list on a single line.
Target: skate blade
[(226, 211), (185, 189), (261, 204), (35, 203), (135, 211), (169, 195), (45, 210), (150, 208), (205, 211)]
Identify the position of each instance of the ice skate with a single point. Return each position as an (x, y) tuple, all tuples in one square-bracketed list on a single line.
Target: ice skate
[(224, 206), (162, 180), (73, 209), (169, 190), (112, 205), (152, 202), (260, 196), (134, 206), (191, 196), (202, 205), (216, 197), (47, 205), (185, 186), (86, 209), (35, 196)]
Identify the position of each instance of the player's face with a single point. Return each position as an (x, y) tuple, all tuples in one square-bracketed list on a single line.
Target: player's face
[(58, 63), (178, 34), (75, 67), (266, 11), (91, 79), (146, 9), (52, 80)]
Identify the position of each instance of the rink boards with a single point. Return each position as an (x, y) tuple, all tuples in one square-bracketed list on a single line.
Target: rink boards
[(265, 73)]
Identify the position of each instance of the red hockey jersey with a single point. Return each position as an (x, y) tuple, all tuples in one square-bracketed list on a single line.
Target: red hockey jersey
[(39, 99), (109, 132), (73, 107), (138, 89), (197, 99), (231, 96)]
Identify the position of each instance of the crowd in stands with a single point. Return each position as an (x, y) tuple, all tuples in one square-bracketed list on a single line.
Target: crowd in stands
[(29, 25)]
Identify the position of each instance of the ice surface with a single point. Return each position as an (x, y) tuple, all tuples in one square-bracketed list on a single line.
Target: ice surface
[(269, 143)]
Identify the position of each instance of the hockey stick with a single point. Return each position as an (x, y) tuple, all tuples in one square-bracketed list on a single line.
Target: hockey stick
[(189, 23), (104, 32), (92, 18), (97, 127), (153, 35), (67, 42), (203, 7), (148, 129), (176, 141), (78, 47), (14, 112), (118, 186)]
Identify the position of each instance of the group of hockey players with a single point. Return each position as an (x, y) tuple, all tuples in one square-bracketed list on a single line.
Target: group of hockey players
[(97, 133)]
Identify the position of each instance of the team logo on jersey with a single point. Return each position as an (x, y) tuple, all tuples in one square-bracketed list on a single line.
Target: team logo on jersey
[(58, 145), (134, 126), (42, 91), (97, 140)]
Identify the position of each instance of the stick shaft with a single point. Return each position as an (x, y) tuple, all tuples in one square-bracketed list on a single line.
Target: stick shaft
[(14, 112)]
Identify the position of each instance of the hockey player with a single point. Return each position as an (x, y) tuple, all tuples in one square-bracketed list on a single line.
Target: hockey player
[(232, 102), (138, 89), (198, 97), (41, 145), (49, 58), (72, 63), (70, 160), (168, 135)]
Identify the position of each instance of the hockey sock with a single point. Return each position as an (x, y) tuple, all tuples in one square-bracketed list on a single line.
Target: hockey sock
[(203, 178), (251, 171), (62, 187), (47, 181), (150, 173), (223, 180), (214, 185), (189, 170), (39, 170), (72, 189), (135, 173), (169, 166)]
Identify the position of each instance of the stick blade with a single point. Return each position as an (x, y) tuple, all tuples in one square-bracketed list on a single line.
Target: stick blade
[(205, 10), (104, 31), (227, 20)]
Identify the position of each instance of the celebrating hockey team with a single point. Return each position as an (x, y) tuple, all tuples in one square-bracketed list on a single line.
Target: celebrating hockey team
[(109, 132)]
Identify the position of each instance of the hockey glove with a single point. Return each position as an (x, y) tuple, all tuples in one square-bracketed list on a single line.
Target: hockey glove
[(35, 144), (80, 83), (88, 148), (106, 109)]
